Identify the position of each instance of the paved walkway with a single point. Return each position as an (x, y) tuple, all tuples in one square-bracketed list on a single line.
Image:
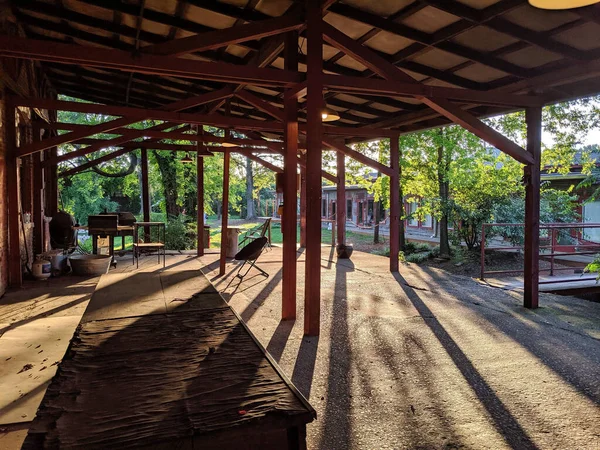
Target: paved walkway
[(429, 360)]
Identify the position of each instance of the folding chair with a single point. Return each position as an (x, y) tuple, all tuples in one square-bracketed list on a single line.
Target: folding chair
[(249, 254), (257, 232)]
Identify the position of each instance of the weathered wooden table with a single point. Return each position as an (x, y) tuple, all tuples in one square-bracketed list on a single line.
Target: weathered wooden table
[(195, 377)]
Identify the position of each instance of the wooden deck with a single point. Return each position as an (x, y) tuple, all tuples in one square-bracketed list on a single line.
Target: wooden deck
[(159, 359), (571, 284)]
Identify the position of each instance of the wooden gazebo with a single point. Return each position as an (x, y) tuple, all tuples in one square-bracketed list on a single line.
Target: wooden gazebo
[(268, 69)]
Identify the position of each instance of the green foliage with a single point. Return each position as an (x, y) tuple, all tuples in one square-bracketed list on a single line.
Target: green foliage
[(555, 207), (84, 197), (418, 258), (178, 235), (416, 247), (594, 267)]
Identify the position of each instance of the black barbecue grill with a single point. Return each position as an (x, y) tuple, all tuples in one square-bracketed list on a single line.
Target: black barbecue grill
[(103, 225), (109, 225)]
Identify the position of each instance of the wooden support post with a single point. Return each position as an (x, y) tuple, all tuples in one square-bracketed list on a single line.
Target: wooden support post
[(15, 273), (532, 208), (290, 178), (340, 207), (401, 232), (51, 179), (38, 194), (200, 194), (302, 207), (394, 204), (314, 126), (224, 212), (145, 193)]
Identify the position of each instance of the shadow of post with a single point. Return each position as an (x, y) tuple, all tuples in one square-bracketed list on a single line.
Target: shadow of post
[(566, 353), (337, 431), (505, 423)]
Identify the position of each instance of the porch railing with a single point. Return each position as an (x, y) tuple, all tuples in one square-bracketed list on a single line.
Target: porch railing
[(550, 247)]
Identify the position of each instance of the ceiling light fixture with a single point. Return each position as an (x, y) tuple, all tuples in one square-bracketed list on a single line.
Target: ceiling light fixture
[(187, 159), (327, 115), (561, 4)]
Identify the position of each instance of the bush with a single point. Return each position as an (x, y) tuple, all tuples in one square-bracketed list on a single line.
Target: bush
[(382, 252), (177, 236), (416, 247), (418, 258)]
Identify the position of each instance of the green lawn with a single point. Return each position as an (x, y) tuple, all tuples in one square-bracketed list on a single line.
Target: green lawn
[(277, 236)]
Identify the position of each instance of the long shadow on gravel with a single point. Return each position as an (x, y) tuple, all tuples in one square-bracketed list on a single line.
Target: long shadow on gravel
[(574, 357), (506, 424), (337, 427)]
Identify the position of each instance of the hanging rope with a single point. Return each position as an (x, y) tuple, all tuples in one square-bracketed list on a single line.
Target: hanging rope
[(133, 161)]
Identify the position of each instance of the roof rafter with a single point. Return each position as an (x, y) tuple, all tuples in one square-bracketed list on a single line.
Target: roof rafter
[(390, 72), (421, 38), (161, 65), (219, 38)]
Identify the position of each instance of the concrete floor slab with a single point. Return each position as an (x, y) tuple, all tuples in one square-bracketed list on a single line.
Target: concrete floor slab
[(29, 355), (426, 359), (140, 294)]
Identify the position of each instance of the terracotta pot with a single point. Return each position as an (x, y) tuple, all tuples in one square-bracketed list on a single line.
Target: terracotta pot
[(344, 251)]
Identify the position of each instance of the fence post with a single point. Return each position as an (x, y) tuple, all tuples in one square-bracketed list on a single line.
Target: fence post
[(553, 238), (482, 252), (333, 233)]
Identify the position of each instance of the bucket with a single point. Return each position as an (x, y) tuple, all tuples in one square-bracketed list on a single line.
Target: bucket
[(90, 265), (58, 261)]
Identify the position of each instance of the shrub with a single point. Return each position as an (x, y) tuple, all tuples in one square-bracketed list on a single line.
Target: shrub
[(418, 258), (382, 252), (177, 236), (410, 247), (416, 247)]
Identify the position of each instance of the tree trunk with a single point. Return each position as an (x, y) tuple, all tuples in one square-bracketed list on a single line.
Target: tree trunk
[(190, 201), (139, 174), (250, 210), (167, 166), (443, 166)]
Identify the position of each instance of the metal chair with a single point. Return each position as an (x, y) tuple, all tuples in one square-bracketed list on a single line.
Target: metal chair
[(249, 254), (257, 232)]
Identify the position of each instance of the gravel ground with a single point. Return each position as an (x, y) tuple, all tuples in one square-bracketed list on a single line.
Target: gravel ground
[(428, 359)]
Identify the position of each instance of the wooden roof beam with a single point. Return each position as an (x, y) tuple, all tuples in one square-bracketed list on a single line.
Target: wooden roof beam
[(111, 125), (228, 36), (511, 29), (158, 114), (365, 86), (14, 47), (332, 130), (339, 146), (263, 163), (159, 135), (390, 72), (277, 113), (421, 38)]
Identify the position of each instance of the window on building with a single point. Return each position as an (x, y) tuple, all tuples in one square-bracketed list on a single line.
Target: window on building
[(591, 214), (412, 208), (428, 222)]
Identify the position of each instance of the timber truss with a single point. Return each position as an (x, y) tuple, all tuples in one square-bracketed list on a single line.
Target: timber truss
[(269, 74)]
